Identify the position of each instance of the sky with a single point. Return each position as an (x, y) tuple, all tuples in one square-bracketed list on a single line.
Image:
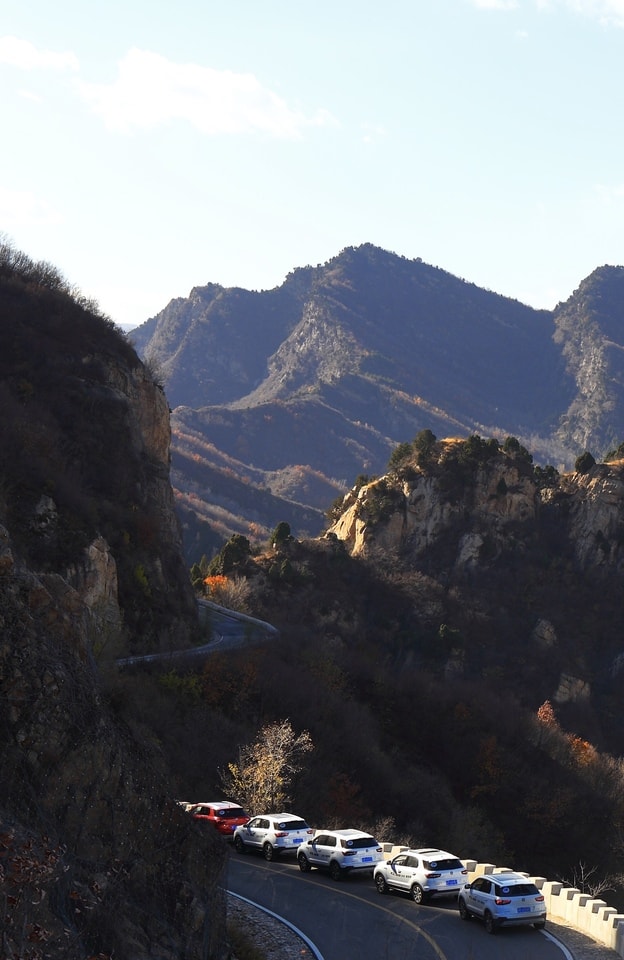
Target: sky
[(149, 147)]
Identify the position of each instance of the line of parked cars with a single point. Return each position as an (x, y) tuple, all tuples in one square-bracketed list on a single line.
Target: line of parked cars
[(499, 899)]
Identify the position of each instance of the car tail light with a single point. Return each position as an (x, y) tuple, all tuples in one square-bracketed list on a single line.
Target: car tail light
[(379, 850), (464, 871), (282, 833), (501, 903), (310, 831), (432, 876), (539, 899), (349, 853)]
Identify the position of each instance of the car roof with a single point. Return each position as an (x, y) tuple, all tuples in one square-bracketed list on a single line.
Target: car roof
[(509, 877), (347, 833), (218, 804), (432, 852), (281, 816)]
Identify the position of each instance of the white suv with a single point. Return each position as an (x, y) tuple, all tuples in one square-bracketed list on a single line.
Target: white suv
[(501, 899), (421, 873), (340, 852), (272, 833)]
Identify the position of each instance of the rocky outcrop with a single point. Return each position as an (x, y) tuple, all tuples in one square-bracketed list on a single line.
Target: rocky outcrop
[(97, 857), (396, 514), (534, 564)]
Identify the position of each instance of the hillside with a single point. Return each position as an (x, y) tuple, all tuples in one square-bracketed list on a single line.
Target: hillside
[(452, 644), (300, 389), (96, 858)]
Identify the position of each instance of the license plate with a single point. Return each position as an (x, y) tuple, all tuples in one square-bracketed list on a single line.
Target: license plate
[(367, 859), (296, 839), (451, 883), (524, 909)]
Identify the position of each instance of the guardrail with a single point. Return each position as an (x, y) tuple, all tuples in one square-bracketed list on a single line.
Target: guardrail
[(587, 914)]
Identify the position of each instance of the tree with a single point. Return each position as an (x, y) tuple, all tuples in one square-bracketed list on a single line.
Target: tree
[(398, 456), (261, 778), (281, 534), (584, 463), (424, 444), (235, 551)]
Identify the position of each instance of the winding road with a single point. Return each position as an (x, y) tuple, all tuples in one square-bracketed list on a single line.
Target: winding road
[(350, 920)]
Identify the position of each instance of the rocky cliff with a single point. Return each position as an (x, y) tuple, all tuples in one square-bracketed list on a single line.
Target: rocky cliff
[(526, 566), (96, 858)]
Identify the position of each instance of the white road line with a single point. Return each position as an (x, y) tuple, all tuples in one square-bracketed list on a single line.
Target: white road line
[(558, 943), (287, 923)]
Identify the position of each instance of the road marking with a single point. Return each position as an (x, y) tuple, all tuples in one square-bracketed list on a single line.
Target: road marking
[(397, 916), (558, 943), (283, 920), (377, 906)]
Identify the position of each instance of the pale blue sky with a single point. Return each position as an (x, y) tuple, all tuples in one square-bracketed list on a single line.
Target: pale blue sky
[(149, 147)]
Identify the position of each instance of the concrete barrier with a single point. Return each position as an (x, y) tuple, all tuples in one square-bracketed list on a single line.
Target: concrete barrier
[(586, 914), (589, 915)]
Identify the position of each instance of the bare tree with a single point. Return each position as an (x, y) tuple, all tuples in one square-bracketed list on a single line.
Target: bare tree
[(587, 880), (261, 778)]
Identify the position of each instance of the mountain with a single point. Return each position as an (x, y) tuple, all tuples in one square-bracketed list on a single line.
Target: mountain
[(96, 858), (298, 390), (452, 644)]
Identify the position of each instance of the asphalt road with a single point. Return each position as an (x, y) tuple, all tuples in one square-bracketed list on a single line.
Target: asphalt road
[(350, 920)]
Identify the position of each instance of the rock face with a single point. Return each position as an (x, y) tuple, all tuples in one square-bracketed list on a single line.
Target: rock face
[(397, 514), (96, 857), (533, 562)]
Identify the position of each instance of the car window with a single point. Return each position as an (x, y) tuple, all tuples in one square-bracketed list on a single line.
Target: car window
[(517, 890), (481, 884), (448, 864), (232, 813), (322, 839), (292, 825), (358, 843), (401, 861)]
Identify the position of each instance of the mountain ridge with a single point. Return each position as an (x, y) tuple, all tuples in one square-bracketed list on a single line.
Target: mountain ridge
[(382, 347)]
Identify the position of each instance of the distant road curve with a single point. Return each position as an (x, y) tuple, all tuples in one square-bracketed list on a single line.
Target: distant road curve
[(230, 630)]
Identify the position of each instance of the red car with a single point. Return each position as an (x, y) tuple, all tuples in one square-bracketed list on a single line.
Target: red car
[(223, 814)]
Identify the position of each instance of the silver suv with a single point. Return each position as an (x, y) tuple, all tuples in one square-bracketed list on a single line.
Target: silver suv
[(421, 873), (272, 833), (503, 898), (340, 852)]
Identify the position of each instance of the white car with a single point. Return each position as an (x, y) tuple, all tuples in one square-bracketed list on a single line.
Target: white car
[(340, 852), (421, 873), (272, 833), (502, 899)]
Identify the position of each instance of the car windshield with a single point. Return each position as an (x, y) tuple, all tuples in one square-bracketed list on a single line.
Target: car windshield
[(447, 864), (518, 890), (231, 813), (358, 842)]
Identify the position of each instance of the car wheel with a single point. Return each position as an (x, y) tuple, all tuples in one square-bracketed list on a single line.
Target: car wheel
[(488, 920), (380, 883), (418, 894), (464, 912), (304, 863), (239, 845), (268, 851), (540, 925), (335, 870)]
